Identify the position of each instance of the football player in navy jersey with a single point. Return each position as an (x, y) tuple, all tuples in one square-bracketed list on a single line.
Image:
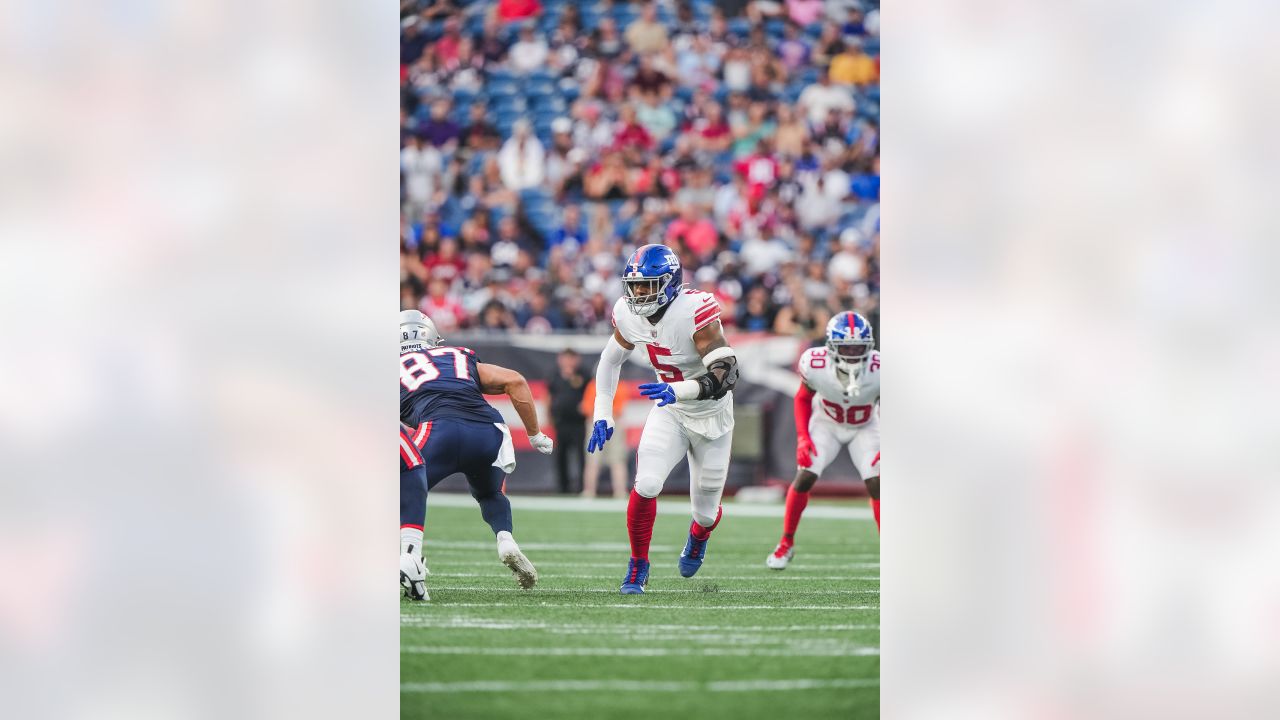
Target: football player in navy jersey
[(455, 430)]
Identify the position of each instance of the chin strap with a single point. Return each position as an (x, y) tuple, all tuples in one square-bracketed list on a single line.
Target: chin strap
[(851, 387)]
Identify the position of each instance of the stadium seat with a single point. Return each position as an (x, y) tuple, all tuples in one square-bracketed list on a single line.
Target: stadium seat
[(502, 88), (534, 85), (625, 14), (507, 104)]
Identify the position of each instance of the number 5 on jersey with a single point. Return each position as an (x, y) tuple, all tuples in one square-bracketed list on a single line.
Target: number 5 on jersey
[(666, 373)]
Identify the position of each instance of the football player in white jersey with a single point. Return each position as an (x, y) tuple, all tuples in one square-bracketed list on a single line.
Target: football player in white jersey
[(697, 370), (837, 405)]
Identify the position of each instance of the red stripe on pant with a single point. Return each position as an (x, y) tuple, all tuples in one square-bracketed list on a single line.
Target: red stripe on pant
[(408, 452), (424, 432), (640, 514)]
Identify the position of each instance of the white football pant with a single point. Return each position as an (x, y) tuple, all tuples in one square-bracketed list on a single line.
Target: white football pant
[(863, 442), (663, 443)]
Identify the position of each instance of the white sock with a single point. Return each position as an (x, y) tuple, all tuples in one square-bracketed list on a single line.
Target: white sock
[(505, 537), (410, 540)]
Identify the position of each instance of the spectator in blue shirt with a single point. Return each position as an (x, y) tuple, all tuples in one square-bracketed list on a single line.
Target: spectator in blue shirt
[(571, 230)]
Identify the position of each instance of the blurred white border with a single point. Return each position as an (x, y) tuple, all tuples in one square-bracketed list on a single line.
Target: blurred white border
[(197, 205), (1081, 499)]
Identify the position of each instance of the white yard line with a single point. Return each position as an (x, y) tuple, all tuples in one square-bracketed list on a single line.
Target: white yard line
[(611, 547), (646, 606), (738, 591), (624, 547), (643, 686), (622, 566), (667, 506), (460, 622), (544, 574), (642, 651)]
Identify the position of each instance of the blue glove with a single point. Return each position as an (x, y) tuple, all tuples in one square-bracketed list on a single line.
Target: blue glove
[(661, 392), (600, 435)]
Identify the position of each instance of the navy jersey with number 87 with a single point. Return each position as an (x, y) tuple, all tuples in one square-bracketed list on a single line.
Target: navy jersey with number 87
[(442, 382)]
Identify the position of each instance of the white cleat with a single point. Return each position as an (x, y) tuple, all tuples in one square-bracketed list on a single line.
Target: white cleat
[(510, 555), (780, 558), (413, 577)]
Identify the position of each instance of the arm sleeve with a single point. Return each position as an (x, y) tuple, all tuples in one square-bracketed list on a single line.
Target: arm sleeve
[(607, 374), (804, 409)]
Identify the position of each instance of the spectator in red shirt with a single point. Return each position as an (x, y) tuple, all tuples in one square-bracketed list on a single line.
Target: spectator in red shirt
[(631, 134), (447, 46), (509, 10), (693, 232), (759, 168), (447, 263), (712, 133), (443, 309)]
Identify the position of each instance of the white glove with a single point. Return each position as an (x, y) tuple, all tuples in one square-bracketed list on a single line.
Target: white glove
[(542, 443)]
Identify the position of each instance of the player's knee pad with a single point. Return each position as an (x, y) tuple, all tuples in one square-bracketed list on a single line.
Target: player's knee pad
[(648, 485)]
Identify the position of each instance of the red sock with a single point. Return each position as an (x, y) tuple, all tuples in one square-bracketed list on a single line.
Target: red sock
[(796, 502), (875, 509), (702, 533), (640, 514)]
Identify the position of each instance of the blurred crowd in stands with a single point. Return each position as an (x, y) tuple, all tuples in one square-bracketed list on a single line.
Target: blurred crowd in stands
[(543, 140)]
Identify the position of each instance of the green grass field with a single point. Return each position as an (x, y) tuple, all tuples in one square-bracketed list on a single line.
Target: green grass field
[(737, 641)]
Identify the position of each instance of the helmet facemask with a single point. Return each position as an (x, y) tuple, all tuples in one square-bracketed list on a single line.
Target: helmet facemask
[(646, 295), (850, 356)]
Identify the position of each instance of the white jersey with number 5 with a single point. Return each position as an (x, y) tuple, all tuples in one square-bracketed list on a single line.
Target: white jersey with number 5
[(832, 402), (674, 357)]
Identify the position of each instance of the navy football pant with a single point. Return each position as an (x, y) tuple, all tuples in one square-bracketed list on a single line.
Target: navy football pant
[(469, 447)]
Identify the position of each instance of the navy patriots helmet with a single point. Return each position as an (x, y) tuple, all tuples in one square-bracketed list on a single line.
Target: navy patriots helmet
[(652, 278), (849, 339)]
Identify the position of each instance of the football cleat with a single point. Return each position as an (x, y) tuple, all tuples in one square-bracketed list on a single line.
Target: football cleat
[(691, 558), (511, 556), (780, 557), (413, 577), (636, 578)]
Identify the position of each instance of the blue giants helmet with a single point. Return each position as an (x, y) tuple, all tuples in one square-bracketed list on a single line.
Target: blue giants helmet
[(849, 339), (652, 278)]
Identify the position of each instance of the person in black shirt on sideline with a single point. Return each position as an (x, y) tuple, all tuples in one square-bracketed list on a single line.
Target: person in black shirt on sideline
[(566, 390)]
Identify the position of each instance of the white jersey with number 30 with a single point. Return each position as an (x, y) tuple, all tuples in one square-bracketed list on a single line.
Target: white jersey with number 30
[(674, 357), (832, 401)]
